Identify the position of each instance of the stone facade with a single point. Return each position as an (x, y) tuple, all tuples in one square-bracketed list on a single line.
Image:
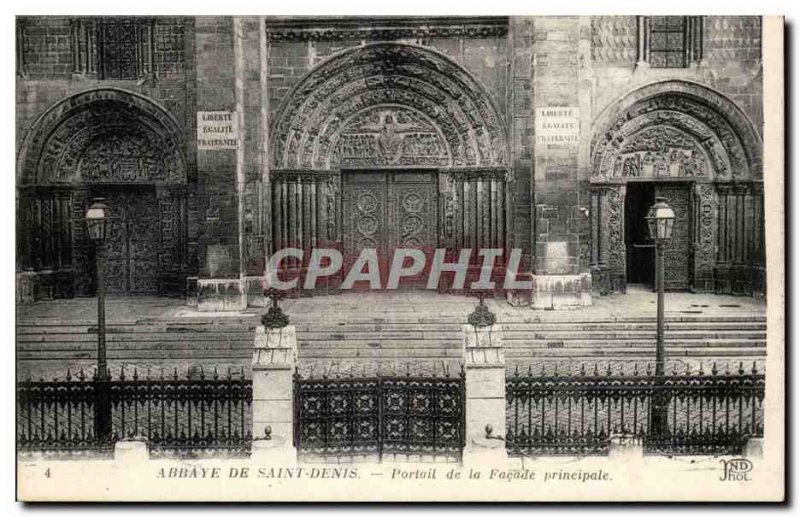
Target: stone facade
[(528, 132)]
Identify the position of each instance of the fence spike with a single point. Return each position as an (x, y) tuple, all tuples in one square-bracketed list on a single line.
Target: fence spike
[(408, 369), (122, 372), (755, 370), (69, 375), (688, 369), (555, 370), (635, 369), (175, 373), (701, 369), (741, 370), (228, 377), (648, 371), (595, 369), (608, 369), (81, 376), (135, 373), (583, 369), (516, 370), (674, 369)]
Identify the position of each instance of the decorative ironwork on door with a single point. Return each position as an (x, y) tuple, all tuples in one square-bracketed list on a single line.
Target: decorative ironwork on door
[(132, 247), (378, 415), (389, 210), (677, 253)]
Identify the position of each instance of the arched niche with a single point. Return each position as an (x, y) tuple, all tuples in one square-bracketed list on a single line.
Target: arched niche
[(103, 136), (406, 114), (688, 129), (696, 147), (115, 144), (418, 83)]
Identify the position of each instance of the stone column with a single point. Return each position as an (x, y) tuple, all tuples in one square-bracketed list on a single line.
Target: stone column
[(274, 360), (484, 365)]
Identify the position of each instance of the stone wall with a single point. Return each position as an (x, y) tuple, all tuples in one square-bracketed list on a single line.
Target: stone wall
[(524, 63)]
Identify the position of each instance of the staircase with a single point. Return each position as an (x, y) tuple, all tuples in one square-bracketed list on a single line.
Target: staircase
[(358, 341), (47, 347)]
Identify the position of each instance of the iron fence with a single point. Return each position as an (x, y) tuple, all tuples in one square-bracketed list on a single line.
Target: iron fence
[(577, 414), (189, 415), (379, 415)]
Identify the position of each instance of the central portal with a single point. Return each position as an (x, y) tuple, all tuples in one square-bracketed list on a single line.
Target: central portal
[(389, 210)]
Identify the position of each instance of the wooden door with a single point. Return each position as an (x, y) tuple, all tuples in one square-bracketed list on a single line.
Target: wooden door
[(385, 211), (132, 246), (677, 254)]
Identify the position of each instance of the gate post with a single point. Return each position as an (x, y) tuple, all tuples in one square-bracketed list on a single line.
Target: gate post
[(484, 365), (274, 361)]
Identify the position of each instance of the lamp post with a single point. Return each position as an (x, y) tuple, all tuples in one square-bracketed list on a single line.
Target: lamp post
[(97, 225), (660, 219)]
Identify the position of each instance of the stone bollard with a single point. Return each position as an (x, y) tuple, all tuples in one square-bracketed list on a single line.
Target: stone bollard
[(274, 360), (754, 449), (625, 449), (131, 451), (484, 366)]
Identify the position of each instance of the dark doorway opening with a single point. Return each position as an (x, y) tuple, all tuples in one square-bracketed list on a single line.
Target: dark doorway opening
[(640, 254)]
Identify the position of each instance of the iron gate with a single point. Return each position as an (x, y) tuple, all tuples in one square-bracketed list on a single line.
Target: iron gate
[(378, 415)]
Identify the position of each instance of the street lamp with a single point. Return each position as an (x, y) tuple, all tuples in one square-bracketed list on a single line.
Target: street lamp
[(660, 220), (97, 226)]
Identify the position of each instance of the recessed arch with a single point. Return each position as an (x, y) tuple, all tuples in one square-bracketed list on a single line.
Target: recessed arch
[(313, 116), (150, 142), (715, 124)]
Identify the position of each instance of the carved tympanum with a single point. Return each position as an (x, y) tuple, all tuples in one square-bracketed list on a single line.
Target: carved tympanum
[(388, 104)]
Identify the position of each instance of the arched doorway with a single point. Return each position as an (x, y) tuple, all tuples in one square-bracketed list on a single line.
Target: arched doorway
[(103, 143), (695, 147), (388, 145)]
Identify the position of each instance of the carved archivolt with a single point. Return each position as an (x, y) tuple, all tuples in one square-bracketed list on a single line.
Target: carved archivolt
[(388, 104), (676, 129), (105, 135)]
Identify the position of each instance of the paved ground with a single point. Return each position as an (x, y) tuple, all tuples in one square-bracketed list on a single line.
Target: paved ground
[(400, 308), (352, 306)]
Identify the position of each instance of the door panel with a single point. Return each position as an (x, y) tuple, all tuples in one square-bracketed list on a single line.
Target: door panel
[(386, 211), (132, 244), (677, 253), (364, 214), (143, 242)]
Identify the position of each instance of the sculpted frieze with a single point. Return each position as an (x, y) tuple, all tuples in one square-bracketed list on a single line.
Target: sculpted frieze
[(702, 132), (312, 121)]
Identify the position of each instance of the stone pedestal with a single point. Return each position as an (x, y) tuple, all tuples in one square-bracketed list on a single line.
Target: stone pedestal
[(561, 292), (754, 449), (484, 366), (26, 287), (131, 451), (274, 360), (625, 449), (277, 450), (220, 295)]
